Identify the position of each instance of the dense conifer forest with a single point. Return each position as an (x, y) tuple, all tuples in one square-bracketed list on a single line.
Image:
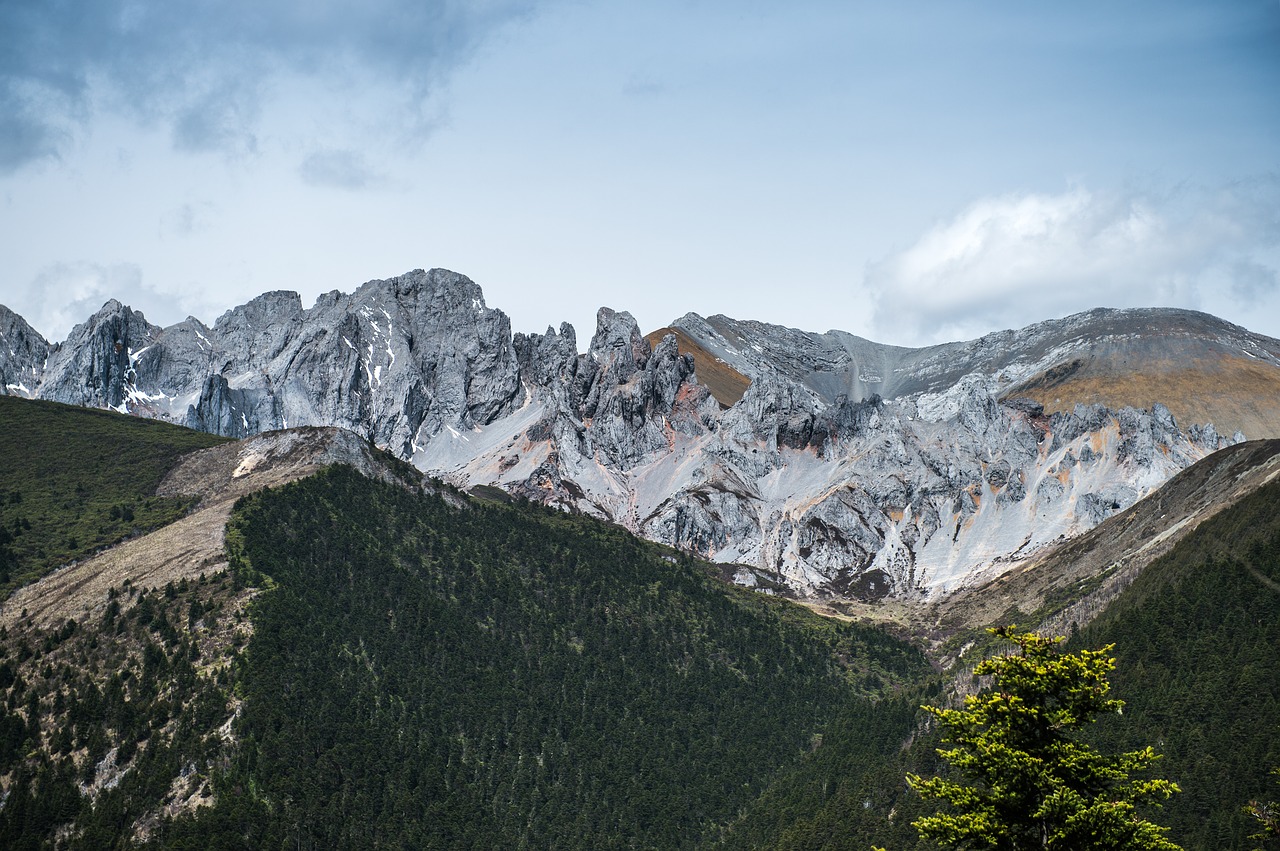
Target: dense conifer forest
[(421, 676)]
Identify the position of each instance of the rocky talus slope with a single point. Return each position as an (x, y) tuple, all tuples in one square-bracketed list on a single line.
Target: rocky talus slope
[(822, 464), (1075, 581)]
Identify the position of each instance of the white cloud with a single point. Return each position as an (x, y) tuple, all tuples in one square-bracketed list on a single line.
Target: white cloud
[(1010, 260), (208, 72), (66, 294)]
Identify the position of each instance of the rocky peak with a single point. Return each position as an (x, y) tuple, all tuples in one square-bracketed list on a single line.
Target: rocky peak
[(95, 365), (632, 394), (252, 334), (548, 362), (618, 346), (435, 292), (179, 359), (23, 352), (259, 313)]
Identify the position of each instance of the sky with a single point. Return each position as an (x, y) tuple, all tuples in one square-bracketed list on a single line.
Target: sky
[(912, 172)]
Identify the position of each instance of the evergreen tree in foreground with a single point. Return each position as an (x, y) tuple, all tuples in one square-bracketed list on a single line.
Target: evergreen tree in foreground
[(1021, 778), (1267, 816)]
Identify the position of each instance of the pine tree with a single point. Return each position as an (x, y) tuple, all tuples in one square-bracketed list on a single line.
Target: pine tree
[(1022, 779), (1267, 816)]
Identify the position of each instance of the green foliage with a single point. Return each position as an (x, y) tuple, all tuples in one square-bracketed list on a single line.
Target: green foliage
[(1267, 816), (75, 480), (1196, 637), (1022, 777), (837, 796), (508, 676)]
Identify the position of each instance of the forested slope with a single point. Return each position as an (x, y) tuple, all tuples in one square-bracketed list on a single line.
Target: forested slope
[(423, 676), (1196, 639)]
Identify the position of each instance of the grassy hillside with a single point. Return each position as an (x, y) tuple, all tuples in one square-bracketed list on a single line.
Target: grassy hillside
[(74, 480)]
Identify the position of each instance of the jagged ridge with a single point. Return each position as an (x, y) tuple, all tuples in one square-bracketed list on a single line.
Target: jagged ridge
[(845, 468)]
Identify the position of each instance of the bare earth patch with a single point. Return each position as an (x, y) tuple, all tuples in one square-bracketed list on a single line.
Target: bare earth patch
[(195, 544)]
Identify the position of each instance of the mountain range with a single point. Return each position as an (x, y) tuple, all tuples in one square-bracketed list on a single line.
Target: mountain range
[(823, 466), (273, 633)]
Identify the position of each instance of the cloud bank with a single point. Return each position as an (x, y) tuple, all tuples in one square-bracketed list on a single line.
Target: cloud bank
[(206, 70), (1010, 260)]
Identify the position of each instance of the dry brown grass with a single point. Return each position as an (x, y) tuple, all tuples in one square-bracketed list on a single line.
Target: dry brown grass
[(1233, 393), (724, 382), (195, 543), (185, 549)]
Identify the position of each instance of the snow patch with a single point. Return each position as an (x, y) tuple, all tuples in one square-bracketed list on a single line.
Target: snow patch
[(133, 394), (247, 464)]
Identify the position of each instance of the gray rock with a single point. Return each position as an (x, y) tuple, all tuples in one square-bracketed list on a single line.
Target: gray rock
[(23, 353), (95, 366), (847, 467)]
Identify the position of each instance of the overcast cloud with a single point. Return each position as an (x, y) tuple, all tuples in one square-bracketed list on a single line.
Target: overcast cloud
[(910, 171), (1011, 260), (208, 70)]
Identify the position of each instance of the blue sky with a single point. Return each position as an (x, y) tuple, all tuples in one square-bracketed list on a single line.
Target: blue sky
[(912, 172)]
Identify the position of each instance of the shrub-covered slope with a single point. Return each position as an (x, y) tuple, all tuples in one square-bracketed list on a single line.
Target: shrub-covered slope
[(74, 480)]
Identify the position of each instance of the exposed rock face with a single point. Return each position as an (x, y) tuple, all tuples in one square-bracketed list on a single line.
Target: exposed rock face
[(23, 353), (415, 353), (1203, 369), (909, 496), (1125, 544), (96, 366), (843, 468)]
